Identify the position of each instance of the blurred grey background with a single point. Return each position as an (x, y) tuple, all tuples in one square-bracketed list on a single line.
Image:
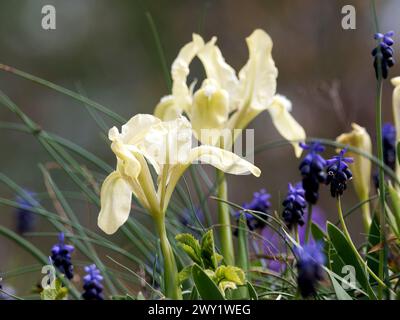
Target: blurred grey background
[(107, 48)]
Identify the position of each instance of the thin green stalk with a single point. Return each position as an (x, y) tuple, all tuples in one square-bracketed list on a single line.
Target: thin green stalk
[(378, 118), (160, 50), (309, 223), (243, 244), (224, 220), (353, 247), (116, 117), (171, 279)]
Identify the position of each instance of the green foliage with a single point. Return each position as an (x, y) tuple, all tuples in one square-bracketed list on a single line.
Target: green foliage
[(203, 254), (229, 277), (206, 268), (210, 258), (341, 294), (56, 292), (191, 246), (206, 287), (346, 256)]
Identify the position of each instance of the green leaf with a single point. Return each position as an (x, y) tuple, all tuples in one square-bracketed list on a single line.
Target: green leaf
[(398, 152), (210, 258), (206, 288), (191, 246), (395, 201), (225, 285), (230, 273), (252, 292), (126, 297), (317, 233), (185, 273), (194, 294), (373, 239), (58, 292), (243, 256), (64, 91), (341, 294), (346, 253)]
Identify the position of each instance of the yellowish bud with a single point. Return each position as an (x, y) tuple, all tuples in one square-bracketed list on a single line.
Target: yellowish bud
[(361, 168)]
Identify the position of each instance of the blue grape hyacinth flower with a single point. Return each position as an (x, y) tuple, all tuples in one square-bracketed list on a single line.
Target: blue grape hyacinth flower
[(310, 261), (389, 145), (259, 203), (92, 284), (294, 205), (61, 257), (383, 53), (274, 246), (389, 149), (312, 169), (338, 173), (25, 217)]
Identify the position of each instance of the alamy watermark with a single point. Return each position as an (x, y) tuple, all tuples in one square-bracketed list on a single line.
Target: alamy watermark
[(349, 18), (49, 17)]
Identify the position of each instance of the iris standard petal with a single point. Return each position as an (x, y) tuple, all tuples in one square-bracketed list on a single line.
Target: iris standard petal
[(180, 71), (218, 70), (258, 76)]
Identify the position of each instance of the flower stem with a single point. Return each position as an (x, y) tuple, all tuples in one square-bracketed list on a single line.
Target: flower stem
[(382, 217), (309, 223), (353, 247), (171, 279), (224, 220)]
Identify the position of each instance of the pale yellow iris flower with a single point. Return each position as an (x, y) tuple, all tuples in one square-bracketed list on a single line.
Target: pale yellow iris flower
[(225, 101), (361, 167), (167, 147)]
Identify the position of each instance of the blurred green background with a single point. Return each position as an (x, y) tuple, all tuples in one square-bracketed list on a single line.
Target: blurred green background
[(108, 49)]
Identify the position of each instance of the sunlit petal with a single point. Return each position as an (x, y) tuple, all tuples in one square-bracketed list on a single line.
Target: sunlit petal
[(218, 70), (223, 160), (180, 71), (116, 197), (209, 111), (396, 105), (167, 109), (258, 77), (284, 122), (361, 168)]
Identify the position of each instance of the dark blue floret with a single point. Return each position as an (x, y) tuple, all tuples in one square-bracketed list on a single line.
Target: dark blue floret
[(389, 149), (310, 261), (294, 205), (338, 173), (25, 217), (259, 203), (312, 169), (389, 145), (92, 284), (61, 257), (383, 53)]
